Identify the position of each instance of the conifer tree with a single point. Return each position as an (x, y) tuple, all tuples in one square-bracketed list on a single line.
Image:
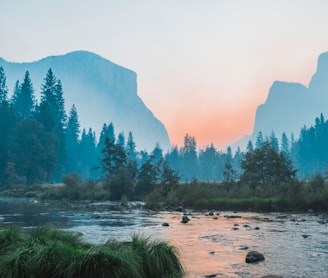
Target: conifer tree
[(274, 141), (121, 139), (284, 144), (23, 100), (189, 154), (7, 124), (3, 87), (88, 156), (259, 140), (131, 147), (52, 115), (249, 146), (72, 142)]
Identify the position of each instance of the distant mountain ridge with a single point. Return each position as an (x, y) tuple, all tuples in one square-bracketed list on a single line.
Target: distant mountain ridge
[(102, 92), (290, 106)]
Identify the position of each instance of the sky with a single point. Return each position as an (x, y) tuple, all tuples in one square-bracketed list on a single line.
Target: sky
[(203, 66)]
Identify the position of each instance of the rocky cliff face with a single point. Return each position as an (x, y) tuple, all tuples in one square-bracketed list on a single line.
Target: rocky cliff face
[(290, 106), (102, 91)]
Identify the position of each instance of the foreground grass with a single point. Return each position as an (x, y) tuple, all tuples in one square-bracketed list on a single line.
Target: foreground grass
[(44, 252)]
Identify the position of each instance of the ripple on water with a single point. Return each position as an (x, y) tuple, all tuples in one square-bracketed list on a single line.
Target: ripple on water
[(207, 246)]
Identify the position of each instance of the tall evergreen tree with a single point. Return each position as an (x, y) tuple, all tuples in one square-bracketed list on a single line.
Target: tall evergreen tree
[(52, 115), (274, 141), (259, 140), (284, 144), (173, 159), (157, 154), (131, 147), (3, 87), (189, 154), (7, 124), (208, 164), (106, 132), (249, 146), (23, 100), (88, 155), (121, 139), (72, 142)]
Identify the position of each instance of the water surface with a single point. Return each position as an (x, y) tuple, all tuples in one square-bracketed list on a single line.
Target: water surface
[(294, 245)]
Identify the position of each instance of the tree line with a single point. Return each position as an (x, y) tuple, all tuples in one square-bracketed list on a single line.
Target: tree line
[(41, 143)]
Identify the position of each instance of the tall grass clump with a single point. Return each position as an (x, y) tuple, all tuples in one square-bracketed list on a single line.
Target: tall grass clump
[(45, 252), (158, 258)]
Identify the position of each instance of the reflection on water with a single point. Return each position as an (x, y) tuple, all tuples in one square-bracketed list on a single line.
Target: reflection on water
[(294, 245)]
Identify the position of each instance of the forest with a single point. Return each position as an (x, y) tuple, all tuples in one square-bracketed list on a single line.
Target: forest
[(41, 143)]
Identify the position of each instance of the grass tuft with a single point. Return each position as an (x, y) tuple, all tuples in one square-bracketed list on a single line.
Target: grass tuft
[(45, 252)]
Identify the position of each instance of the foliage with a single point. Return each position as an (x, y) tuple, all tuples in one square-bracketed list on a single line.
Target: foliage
[(120, 185), (45, 252), (114, 158), (23, 99), (265, 166)]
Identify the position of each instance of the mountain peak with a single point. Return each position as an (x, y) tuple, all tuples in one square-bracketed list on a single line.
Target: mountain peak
[(289, 106), (102, 92), (323, 62)]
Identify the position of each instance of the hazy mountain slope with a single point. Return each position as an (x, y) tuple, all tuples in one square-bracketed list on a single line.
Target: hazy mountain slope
[(102, 91), (290, 106)]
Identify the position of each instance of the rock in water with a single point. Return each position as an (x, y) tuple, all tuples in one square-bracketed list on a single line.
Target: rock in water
[(185, 219), (254, 256)]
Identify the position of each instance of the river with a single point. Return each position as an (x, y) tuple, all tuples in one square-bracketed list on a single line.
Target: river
[(294, 245)]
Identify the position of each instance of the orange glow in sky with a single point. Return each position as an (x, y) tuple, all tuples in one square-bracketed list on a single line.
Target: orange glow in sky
[(203, 66)]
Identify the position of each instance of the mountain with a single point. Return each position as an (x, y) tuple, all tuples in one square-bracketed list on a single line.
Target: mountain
[(102, 92), (290, 106)]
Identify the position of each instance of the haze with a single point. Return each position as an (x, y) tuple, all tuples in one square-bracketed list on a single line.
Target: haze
[(203, 66)]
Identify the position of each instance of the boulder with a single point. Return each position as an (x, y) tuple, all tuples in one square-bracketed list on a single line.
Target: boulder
[(254, 256), (185, 219), (165, 224)]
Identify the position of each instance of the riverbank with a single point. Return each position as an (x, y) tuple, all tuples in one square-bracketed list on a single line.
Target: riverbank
[(298, 197)]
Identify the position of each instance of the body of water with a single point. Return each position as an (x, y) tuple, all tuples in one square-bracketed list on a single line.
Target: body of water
[(294, 245)]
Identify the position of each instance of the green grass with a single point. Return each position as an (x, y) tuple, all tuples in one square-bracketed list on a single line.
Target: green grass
[(45, 252), (253, 203)]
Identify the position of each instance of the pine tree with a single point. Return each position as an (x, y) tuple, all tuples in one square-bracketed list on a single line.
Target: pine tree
[(7, 124), (249, 146), (189, 154), (52, 115), (157, 154), (23, 100), (208, 162), (173, 158), (72, 142), (284, 144), (259, 140), (3, 87), (88, 155), (121, 139), (274, 141), (131, 147), (106, 132)]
